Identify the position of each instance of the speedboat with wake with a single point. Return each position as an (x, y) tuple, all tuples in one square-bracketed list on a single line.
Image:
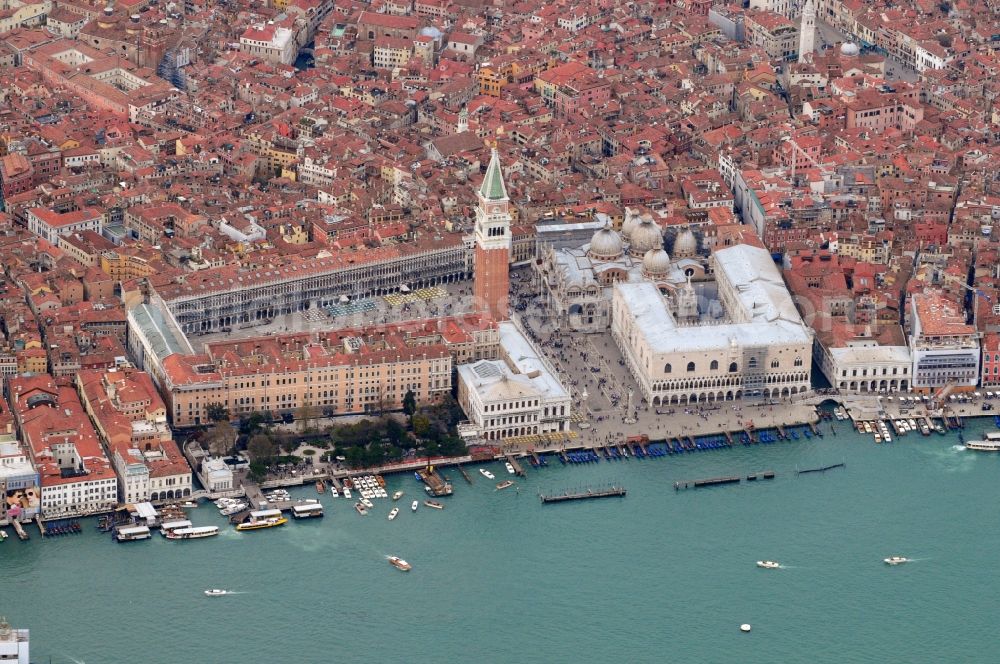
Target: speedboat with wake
[(896, 560), (768, 564), (414, 505), (216, 592)]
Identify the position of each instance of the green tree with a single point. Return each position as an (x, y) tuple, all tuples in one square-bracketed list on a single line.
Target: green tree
[(421, 425), (217, 412), (409, 403), (260, 447), (395, 432), (221, 438)]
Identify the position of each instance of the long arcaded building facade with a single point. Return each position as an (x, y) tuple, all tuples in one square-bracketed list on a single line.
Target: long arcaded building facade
[(231, 296)]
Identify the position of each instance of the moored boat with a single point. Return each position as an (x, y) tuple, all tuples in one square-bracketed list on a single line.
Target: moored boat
[(367, 503), (990, 443), (362, 510), (399, 564), (194, 532), (505, 484), (397, 495), (487, 474), (510, 468), (307, 510), (320, 487), (260, 519), (435, 504), (131, 533)]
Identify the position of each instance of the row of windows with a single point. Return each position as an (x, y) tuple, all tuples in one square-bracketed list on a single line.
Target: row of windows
[(733, 367)]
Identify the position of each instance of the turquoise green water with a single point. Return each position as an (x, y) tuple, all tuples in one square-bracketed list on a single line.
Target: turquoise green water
[(657, 576)]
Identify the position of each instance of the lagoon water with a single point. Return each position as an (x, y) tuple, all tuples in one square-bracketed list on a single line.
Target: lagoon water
[(659, 576)]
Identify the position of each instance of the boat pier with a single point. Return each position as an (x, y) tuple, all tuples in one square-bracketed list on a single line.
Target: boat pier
[(765, 475), (19, 529), (821, 469), (782, 434), (729, 438), (254, 495), (712, 481), (461, 469), (518, 470), (437, 485), (584, 494), (41, 526), (337, 485), (815, 429)]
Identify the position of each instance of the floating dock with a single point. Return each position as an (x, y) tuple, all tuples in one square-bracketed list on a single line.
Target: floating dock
[(437, 485), (19, 529), (822, 469), (766, 475), (584, 494), (712, 481), (461, 469), (518, 470)]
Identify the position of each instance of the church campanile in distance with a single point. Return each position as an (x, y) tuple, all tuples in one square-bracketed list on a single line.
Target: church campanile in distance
[(491, 285)]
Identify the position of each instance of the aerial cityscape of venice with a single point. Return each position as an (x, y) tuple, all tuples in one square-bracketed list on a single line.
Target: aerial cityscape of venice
[(497, 330)]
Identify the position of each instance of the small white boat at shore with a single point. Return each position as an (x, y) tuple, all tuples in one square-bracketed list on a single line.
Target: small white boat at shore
[(414, 505), (367, 503), (896, 560), (347, 492), (768, 564), (216, 592), (393, 513), (510, 468), (487, 474)]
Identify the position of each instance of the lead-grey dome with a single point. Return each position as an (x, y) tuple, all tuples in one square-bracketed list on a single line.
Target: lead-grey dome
[(656, 262), (605, 245), (645, 236), (686, 244)]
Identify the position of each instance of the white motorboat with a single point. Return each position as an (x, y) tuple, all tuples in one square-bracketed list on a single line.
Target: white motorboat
[(393, 513), (768, 564), (361, 509), (399, 564), (233, 509), (487, 474), (896, 560), (216, 592), (397, 495), (367, 503), (510, 468), (347, 492), (333, 490), (414, 505)]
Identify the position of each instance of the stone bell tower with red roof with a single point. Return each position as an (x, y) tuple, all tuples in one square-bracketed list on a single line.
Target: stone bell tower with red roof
[(491, 279)]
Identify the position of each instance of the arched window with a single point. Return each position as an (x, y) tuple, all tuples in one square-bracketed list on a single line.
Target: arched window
[(667, 368), (714, 366), (690, 366), (733, 368), (774, 364), (798, 362), (753, 363)]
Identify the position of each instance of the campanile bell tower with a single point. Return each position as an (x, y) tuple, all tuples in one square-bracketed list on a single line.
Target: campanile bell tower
[(491, 280)]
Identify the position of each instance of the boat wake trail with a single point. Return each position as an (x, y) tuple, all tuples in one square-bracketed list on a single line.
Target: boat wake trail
[(958, 448), (75, 660)]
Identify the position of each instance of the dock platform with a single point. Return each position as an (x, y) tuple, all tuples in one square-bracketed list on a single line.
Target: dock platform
[(461, 469), (437, 485), (712, 481), (583, 494), (518, 470), (19, 529)]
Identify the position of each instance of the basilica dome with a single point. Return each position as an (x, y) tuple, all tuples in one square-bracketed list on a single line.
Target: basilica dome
[(656, 262), (686, 245), (629, 224), (605, 245), (645, 236)]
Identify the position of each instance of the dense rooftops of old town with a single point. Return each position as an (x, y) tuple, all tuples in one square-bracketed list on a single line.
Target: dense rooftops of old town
[(153, 154)]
